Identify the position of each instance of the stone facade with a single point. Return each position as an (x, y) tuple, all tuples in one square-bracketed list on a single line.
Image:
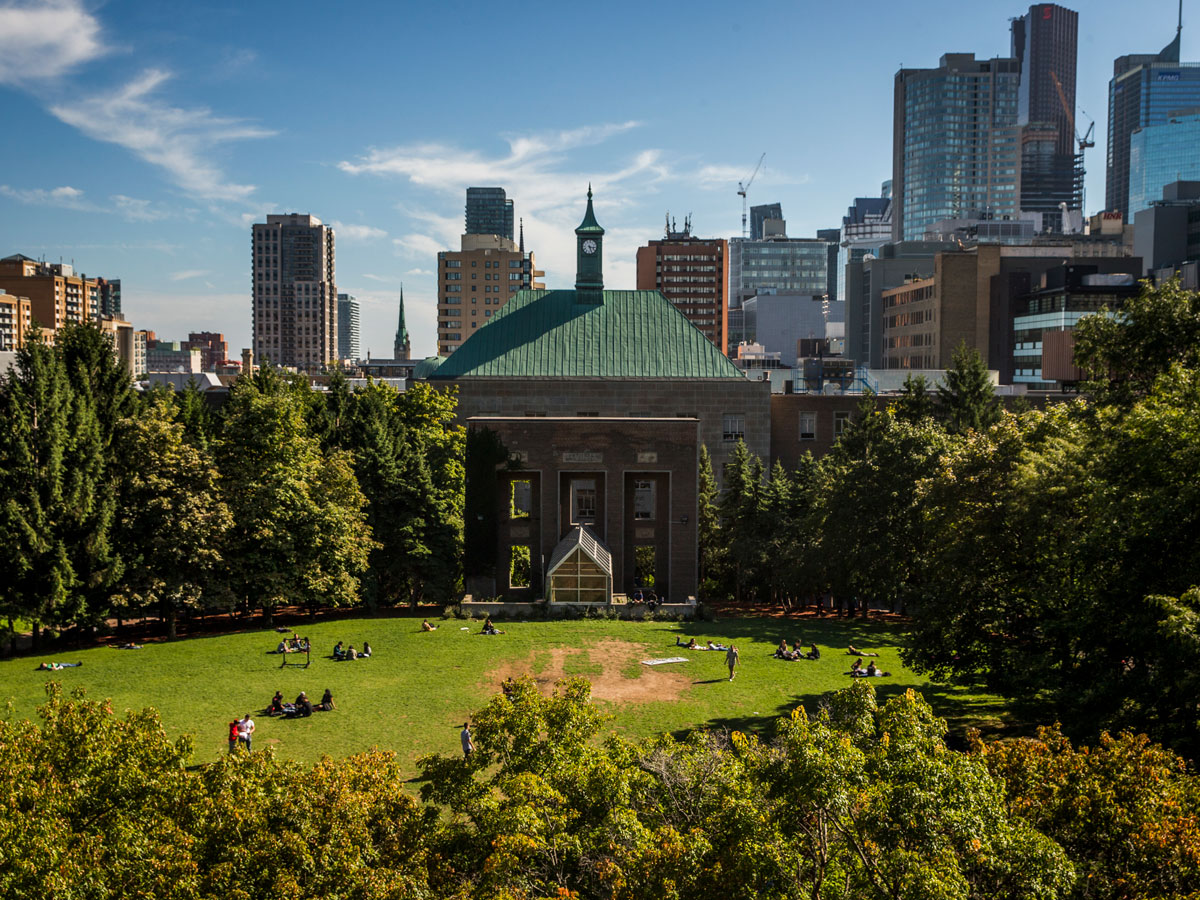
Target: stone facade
[(644, 475), (709, 400)]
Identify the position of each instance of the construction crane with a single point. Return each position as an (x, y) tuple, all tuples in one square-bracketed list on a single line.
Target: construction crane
[(1083, 143), (743, 187)]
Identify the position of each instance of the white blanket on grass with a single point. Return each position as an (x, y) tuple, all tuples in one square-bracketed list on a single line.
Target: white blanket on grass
[(663, 661)]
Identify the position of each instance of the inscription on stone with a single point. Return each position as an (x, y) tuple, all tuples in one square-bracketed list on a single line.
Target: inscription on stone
[(641, 534), (582, 456), (647, 456)]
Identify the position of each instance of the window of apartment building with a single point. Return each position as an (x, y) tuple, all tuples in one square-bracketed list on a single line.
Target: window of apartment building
[(514, 264), (454, 264), (841, 423), (733, 427), (583, 501), (643, 498), (808, 426)]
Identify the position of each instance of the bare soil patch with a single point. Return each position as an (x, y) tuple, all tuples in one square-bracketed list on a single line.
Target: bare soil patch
[(613, 657)]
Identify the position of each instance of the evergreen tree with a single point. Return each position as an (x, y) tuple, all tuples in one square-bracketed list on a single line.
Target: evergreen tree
[(916, 400), (709, 526), (740, 509), (967, 400), (193, 413), (40, 581)]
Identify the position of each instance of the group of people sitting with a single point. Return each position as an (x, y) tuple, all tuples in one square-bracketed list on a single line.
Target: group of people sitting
[(871, 670), (797, 652), (294, 644), (348, 653), (693, 644), (301, 708)]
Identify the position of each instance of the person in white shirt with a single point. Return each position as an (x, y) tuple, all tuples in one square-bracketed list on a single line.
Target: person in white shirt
[(246, 730)]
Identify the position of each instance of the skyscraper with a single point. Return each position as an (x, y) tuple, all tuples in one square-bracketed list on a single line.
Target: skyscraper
[(954, 144), (759, 214), (489, 212), (294, 296), (1146, 89), (690, 272), (1044, 43), (347, 317)]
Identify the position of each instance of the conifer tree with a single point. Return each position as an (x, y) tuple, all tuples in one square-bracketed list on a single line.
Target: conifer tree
[(967, 399)]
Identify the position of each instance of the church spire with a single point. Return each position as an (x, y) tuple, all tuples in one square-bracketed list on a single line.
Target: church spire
[(402, 348)]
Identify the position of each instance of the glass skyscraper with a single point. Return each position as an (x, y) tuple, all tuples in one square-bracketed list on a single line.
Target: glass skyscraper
[(489, 211), (1146, 89), (955, 151), (1160, 154)]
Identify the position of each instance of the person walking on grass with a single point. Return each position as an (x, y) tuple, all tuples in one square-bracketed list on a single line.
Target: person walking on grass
[(467, 744), (246, 730), (731, 659)]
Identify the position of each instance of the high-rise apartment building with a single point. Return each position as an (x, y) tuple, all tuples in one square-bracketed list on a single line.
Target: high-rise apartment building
[(1146, 89), (1044, 43), (57, 295), (16, 316), (475, 281), (294, 295), (955, 150), (347, 317), (760, 214), (690, 272), (110, 298), (489, 211)]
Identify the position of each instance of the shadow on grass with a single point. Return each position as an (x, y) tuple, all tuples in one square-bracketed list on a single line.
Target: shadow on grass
[(828, 632)]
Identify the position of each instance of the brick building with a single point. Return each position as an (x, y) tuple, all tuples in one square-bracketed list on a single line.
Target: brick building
[(691, 273), (622, 371), (57, 295)]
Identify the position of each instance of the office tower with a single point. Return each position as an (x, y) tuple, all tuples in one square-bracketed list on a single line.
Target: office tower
[(294, 294), (955, 150), (475, 281), (1160, 155), (833, 241), (1146, 89), (57, 295), (690, 272), (402, 346), (347, 317), (489, 212), (759, 214), (110, 298), (1044, 44)]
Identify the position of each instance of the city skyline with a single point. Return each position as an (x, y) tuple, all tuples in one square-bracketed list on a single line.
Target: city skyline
[(148, 139)]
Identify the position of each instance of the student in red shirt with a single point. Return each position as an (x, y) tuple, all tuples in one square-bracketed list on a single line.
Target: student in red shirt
[(233, 735)]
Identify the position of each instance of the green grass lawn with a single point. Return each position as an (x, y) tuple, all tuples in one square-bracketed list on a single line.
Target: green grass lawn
[(414, 694)]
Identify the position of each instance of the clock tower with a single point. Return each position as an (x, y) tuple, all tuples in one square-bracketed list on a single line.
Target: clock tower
[(589, 267)]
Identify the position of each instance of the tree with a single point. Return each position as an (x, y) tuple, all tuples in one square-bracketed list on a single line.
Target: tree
[(193, 413), (740, 508), (1123, 353), (40, 581), (300, 533), (173, 520), (916, 400), (709, 526), (967, 400)]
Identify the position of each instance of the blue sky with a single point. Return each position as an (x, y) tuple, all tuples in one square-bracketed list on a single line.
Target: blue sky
[(141, 139)]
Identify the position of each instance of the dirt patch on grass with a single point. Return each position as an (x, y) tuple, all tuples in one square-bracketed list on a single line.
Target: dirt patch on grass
[(614, 658)]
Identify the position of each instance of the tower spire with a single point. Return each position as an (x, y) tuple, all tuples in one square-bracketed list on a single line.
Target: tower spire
[(522, 243), (402, 348)]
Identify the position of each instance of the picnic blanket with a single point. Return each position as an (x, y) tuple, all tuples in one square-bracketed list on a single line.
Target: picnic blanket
[(664, 660)]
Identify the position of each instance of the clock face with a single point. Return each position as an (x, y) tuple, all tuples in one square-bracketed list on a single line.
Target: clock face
[(589, 247)]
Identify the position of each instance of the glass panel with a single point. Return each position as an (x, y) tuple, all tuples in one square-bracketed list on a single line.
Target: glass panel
[(643, 499), (583, 501)]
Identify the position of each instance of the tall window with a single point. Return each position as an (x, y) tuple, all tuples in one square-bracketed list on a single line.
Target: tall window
[(841, 423), (808, 426), (522, 499), (643, 499), (583, 501), (733, 427)]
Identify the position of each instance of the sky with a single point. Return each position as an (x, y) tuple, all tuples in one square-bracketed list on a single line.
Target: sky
[(140, 140)]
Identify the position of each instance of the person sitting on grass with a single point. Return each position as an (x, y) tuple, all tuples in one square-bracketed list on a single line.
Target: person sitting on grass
[(489, 628), (276, 707), (326, 704), (782, 652), (813, 653), (856, 668), (366, 651), (852, 652), (302, 707), (338, 652), (351, 653), (425, 626), (56, 666), (874, 672)]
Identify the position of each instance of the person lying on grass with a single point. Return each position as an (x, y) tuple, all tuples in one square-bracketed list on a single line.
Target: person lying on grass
[(852, 652), (57, 666)]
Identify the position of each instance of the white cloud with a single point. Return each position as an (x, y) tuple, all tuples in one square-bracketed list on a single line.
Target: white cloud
[(66, 197), (137, 210), (179, 141), (381, 278), (419, 272), (419, 245), (187, 274), (45, 40), (342, 231)]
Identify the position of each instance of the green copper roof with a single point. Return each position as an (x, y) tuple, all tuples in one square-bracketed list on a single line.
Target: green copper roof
[(589, 225), (427, 366), (546, 334)]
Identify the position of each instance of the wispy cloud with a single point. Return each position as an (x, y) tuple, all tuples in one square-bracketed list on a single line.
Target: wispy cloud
[(419, 245), (67, 197), (419, 272), (347, 232), (187, 274), (40, 41), (179, 141)]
